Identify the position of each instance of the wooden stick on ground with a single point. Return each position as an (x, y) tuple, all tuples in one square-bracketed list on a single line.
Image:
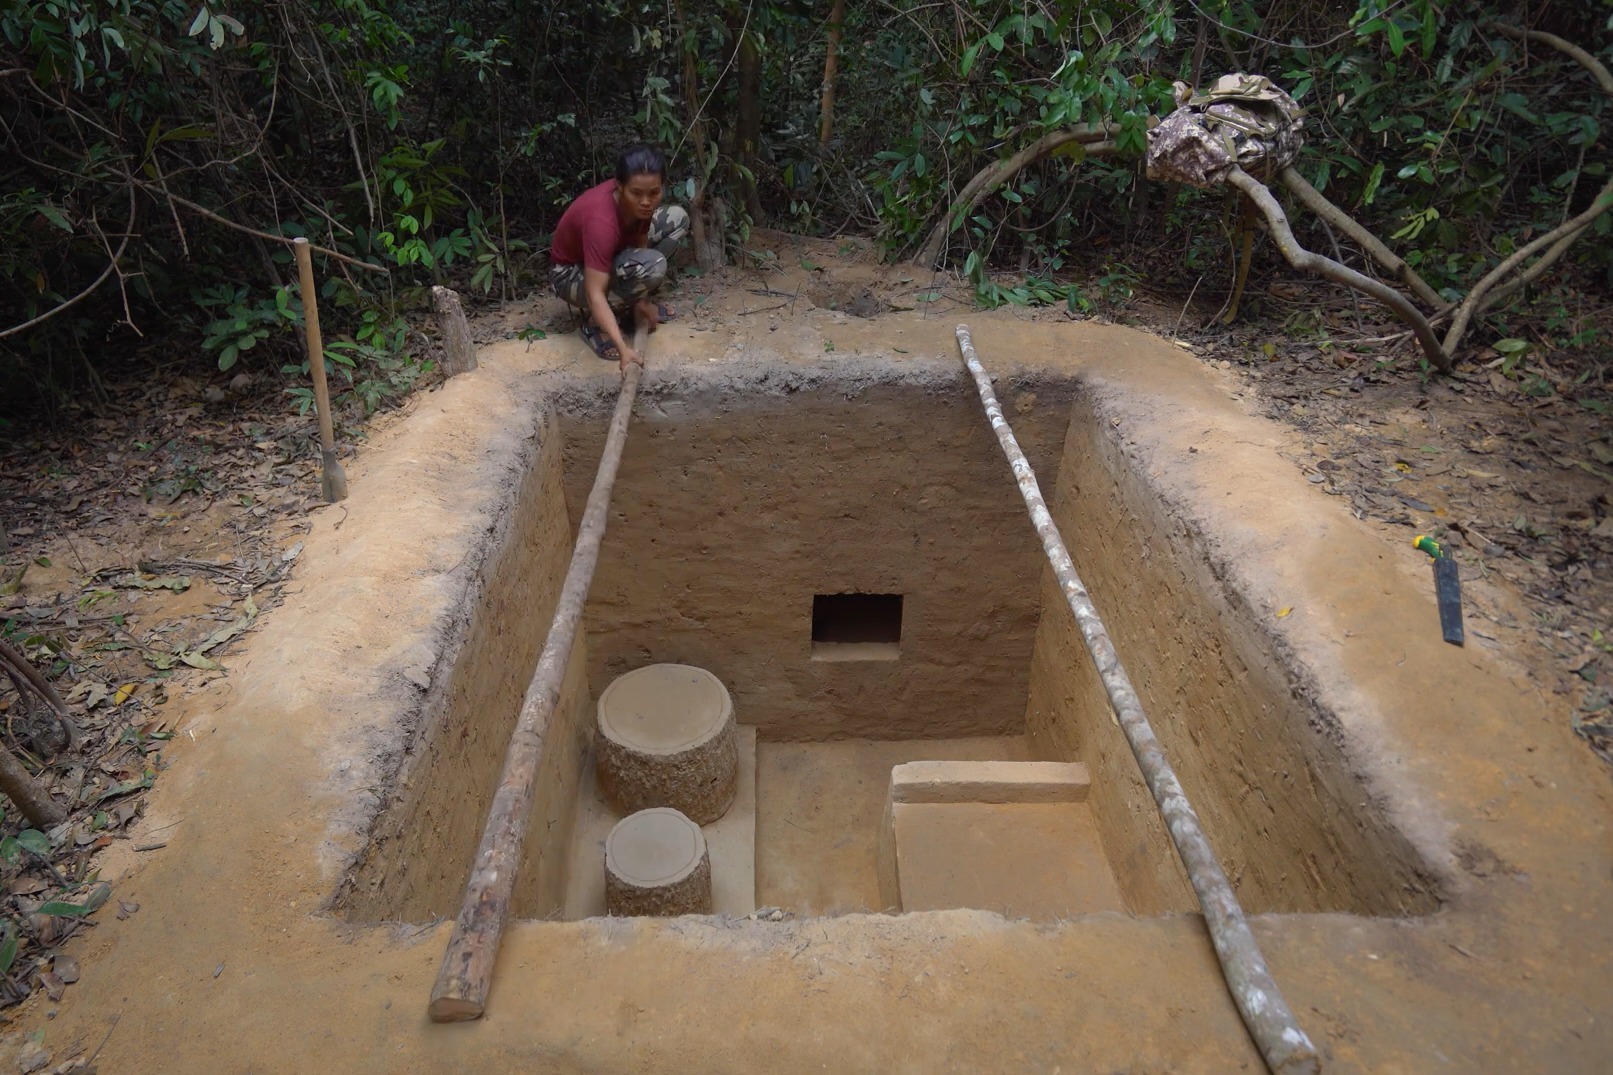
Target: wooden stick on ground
[(1284, 1045), (460, 992)]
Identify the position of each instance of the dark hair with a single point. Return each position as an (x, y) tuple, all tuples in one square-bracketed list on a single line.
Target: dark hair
[(640, 159)]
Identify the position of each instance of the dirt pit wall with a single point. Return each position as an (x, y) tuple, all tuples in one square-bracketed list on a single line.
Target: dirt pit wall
[(741, 500), (424, 838), (1288, 812)]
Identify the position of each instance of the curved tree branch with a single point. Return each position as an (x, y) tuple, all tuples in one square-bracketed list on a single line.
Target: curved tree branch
[(1486, 293), (33, 801), (994, 175), (1303, 259), (1393, 263), (1531, 274), (228, 223), (111, 266), (1567, 48), (18, 665), (831, 58)]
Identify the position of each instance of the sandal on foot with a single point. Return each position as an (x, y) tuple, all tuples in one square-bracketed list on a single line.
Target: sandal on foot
[(599, 343), (664, 313)]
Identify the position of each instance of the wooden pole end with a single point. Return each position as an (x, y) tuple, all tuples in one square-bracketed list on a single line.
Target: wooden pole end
[(449, 1009)]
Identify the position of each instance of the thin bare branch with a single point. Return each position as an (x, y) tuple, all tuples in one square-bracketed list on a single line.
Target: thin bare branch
[(111, 267), (1308, 261), (1485, 294), (1392, 263), (210, 215)]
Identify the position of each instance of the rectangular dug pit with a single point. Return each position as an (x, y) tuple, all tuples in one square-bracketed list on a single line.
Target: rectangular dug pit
[(849, 555)]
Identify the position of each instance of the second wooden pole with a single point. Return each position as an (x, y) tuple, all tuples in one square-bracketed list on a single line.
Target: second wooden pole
[(460, 992)]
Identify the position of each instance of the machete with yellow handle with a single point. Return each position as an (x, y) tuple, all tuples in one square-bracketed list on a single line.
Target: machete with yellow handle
[(1447, 589)]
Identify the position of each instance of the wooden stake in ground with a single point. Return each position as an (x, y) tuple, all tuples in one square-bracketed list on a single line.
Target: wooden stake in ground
[(460, 993), (333, 482), (1282, 1043), (459, 353)]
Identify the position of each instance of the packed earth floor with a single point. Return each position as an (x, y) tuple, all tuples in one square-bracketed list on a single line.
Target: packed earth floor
[(248, 665)]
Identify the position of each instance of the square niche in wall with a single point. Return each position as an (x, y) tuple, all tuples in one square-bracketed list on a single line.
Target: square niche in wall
[(856, 626)]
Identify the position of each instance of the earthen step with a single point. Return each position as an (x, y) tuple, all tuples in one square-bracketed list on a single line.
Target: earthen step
[(989, 782)]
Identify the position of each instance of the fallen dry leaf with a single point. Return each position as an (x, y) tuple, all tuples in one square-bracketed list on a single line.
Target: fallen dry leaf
[(32, 1057)]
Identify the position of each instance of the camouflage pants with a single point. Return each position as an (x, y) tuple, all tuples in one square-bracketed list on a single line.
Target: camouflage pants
[(636, 273)]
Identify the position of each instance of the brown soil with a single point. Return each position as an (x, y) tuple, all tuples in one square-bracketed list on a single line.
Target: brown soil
[(231, 962)]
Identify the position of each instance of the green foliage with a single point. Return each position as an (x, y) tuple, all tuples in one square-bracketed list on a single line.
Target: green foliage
[(239, 324), (142, 129), (1449, 136), (373, 367), (162, 141), (1440, 132), (30, 840)]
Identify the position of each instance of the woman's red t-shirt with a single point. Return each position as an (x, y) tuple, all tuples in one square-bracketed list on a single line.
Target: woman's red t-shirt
[(591, 233)]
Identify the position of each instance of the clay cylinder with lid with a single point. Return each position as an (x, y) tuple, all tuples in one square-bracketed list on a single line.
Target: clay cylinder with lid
[(666, 737), (656, 863)]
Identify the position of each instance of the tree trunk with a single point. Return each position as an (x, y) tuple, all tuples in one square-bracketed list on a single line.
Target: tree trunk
[(704, 227), (748, 123), (831, 63), (1243, 254)]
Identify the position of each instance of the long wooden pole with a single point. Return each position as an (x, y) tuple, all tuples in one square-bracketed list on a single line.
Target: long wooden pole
[(460, 992), (333, 480), (1284, 1045)]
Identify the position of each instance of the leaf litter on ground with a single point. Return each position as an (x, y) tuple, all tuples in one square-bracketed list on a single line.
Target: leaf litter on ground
[(145, 540)]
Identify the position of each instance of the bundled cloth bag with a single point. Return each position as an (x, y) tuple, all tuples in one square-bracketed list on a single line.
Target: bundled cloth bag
[(1241, 120)]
